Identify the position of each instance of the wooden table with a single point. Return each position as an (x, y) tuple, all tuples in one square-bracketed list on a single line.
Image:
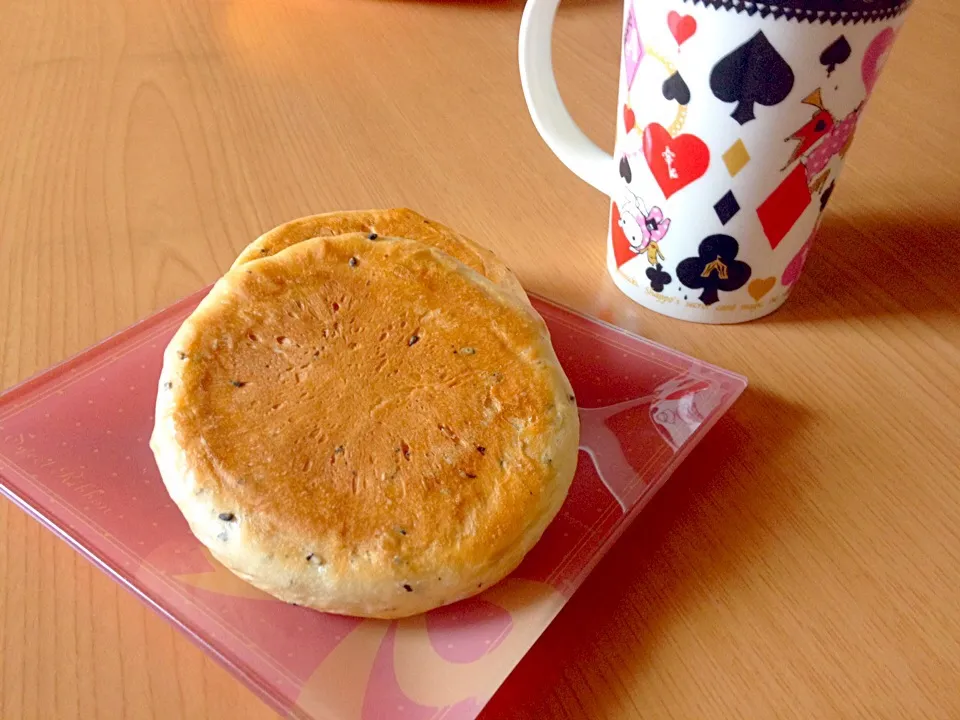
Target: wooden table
[(804, 562)]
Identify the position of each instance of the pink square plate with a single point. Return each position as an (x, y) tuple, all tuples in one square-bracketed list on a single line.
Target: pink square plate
[(74, 454)]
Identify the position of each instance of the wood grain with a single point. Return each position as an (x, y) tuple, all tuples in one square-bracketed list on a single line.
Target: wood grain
[(804, 561)]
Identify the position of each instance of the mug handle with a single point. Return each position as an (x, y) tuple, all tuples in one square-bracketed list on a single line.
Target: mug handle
[(550, 116)]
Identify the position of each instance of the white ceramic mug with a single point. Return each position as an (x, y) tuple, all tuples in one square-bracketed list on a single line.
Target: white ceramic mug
[(734, 120)]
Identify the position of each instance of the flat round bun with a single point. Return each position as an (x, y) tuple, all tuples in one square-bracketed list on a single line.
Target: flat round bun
[(364, 427), (396, 223)]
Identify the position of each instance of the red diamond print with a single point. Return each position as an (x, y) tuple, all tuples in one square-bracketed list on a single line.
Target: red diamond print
[(781, 210)]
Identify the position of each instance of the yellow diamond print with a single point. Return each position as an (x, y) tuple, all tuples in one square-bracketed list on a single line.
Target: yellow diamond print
[(736, 157)]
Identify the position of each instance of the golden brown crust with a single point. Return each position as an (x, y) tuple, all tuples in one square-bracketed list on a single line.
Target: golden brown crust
[(395, 222), (368, 428)]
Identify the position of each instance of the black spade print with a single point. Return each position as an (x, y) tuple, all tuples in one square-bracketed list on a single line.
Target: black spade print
[(836, 54), (659, 278), (825, 198), (753, 73), (675, 88), (715, 268), (625, 172)]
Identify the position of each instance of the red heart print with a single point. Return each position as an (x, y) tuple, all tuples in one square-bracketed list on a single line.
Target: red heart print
[(674, 161), (681, 26), (621, 246), (629, 118)]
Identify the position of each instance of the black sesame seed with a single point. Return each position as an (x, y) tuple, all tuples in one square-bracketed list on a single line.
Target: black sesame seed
[(407, 588), (372, 236), (354, 262), (471, 476), (264, 251), (227, 516), (182, 355), (571, 398), (309, 557), (237, 383), (167, 385), (338, 450), (414, 339), (401, 531), (481, 449)]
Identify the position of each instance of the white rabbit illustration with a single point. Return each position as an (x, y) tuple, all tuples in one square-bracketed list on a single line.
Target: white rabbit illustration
[(631, 217), (643, 229)]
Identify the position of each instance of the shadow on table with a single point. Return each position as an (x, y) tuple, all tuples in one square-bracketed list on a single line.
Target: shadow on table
[(878, 266), (682, 547)]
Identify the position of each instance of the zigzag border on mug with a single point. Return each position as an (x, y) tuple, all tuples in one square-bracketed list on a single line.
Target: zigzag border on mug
[(843, 17)]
